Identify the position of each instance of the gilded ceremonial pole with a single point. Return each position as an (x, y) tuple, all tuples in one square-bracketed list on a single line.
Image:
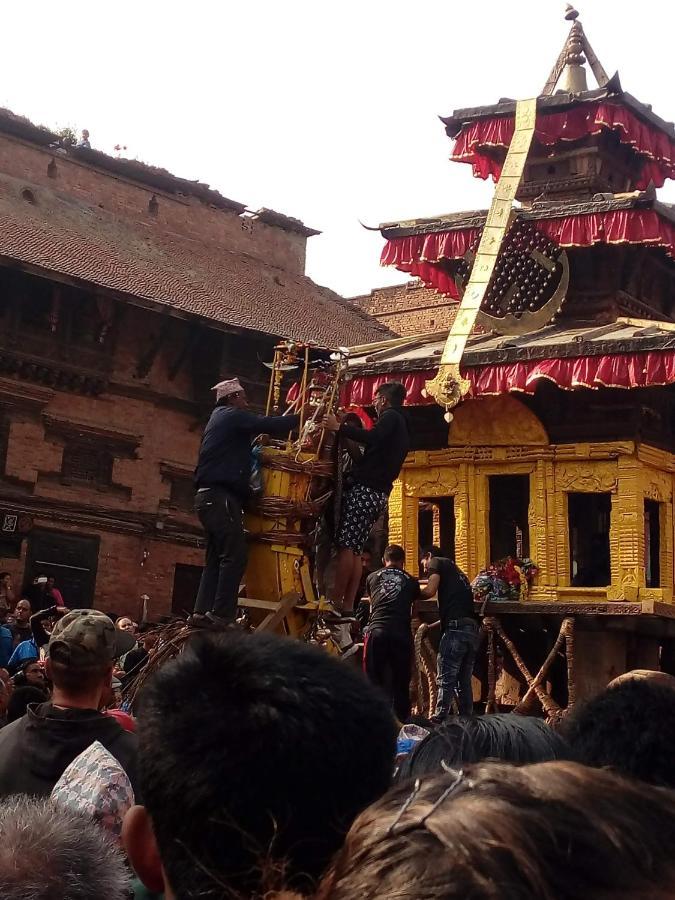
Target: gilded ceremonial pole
[(448, 387)]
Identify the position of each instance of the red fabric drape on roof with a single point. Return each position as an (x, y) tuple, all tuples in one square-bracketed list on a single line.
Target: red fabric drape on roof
[(571, 125), (619, 370), (420, 253)]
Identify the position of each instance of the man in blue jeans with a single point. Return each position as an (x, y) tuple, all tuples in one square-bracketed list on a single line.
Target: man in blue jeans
[(459, 632)]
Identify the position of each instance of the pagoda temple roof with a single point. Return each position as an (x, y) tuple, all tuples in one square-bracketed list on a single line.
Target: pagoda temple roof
[(539, 210), (627, 353), (556, 103), (559, 340)]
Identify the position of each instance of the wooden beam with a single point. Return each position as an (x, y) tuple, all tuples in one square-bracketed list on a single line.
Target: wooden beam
[(147, 359), (285, 605), (192, 339)]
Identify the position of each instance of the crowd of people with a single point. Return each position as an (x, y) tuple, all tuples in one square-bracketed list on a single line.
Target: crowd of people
[(258, 766), (250, 765)]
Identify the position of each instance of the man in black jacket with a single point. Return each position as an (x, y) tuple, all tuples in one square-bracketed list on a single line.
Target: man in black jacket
[(222, 481), (372, 477), (36, 749)]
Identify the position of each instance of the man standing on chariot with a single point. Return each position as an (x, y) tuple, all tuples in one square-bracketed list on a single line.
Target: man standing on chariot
[(222, 481), (371, 481)]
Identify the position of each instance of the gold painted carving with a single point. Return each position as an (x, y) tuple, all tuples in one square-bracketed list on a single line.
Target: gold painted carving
[(496, 422), (448, 388), (587, 478), (431, 483)]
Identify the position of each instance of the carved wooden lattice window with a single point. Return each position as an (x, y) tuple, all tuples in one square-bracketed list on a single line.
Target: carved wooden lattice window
[(87, 464), (182, 494)]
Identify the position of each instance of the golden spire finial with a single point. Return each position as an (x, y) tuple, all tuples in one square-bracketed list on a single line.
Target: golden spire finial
[(573, 77)]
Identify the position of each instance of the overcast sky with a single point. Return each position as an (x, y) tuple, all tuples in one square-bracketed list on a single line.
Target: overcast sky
[(322, 110)]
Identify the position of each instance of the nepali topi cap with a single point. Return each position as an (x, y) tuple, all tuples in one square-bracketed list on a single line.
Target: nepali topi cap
[(87, 637), (227, 388)]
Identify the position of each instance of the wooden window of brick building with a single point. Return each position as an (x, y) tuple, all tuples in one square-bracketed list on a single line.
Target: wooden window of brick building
[(182, 494), (86, 464)]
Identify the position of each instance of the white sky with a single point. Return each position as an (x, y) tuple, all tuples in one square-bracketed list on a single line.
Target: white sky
[(322, 110)]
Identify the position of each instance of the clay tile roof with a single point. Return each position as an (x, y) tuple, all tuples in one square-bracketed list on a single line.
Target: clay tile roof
[(88, 243)]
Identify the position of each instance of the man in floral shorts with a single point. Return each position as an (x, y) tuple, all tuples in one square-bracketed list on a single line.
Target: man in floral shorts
[(386, 447)]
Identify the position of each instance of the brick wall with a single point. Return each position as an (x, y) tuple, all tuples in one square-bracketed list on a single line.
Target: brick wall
[(183, 214), (409, 308), (141, 538)]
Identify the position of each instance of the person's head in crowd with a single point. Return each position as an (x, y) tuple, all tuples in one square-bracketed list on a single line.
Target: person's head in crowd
[(550, 831), (31, 674), (367, 560), (23, 612), (273, 746), (81, 654), (429, 554), (461, 740), (48, 852), (125, 624), (231, 393), (389, 394), (394, 556), (654, 677), (21, 698), (630, 728)]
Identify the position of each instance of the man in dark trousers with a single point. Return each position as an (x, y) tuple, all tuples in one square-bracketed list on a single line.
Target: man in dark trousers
[(371, 478), (459, 632), (388, 649), (222, 481)]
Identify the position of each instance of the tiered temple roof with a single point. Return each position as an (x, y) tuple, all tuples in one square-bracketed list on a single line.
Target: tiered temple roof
[(590, 188)]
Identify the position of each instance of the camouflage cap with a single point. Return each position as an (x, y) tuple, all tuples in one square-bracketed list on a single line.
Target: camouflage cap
[(85, 637)]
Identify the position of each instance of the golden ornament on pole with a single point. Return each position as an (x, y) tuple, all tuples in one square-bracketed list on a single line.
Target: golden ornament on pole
[(449, 387)]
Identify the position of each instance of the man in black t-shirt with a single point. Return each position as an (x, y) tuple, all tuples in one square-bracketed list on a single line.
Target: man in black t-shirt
[(370, 483), (459, 632), (387, 655)]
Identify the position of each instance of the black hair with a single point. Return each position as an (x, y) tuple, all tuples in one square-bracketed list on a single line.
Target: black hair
[(631, 728), (269, 749), (394, 553), (469, 739), (393, 391), (4, 574), (352, 419), (21, 697), (432, 551), (78, 680)]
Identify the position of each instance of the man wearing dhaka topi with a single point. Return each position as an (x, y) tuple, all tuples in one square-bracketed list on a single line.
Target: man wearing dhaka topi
[(222, 481)]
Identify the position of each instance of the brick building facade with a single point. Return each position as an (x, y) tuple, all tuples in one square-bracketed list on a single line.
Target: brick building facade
[(409, 308), (125, 294)]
